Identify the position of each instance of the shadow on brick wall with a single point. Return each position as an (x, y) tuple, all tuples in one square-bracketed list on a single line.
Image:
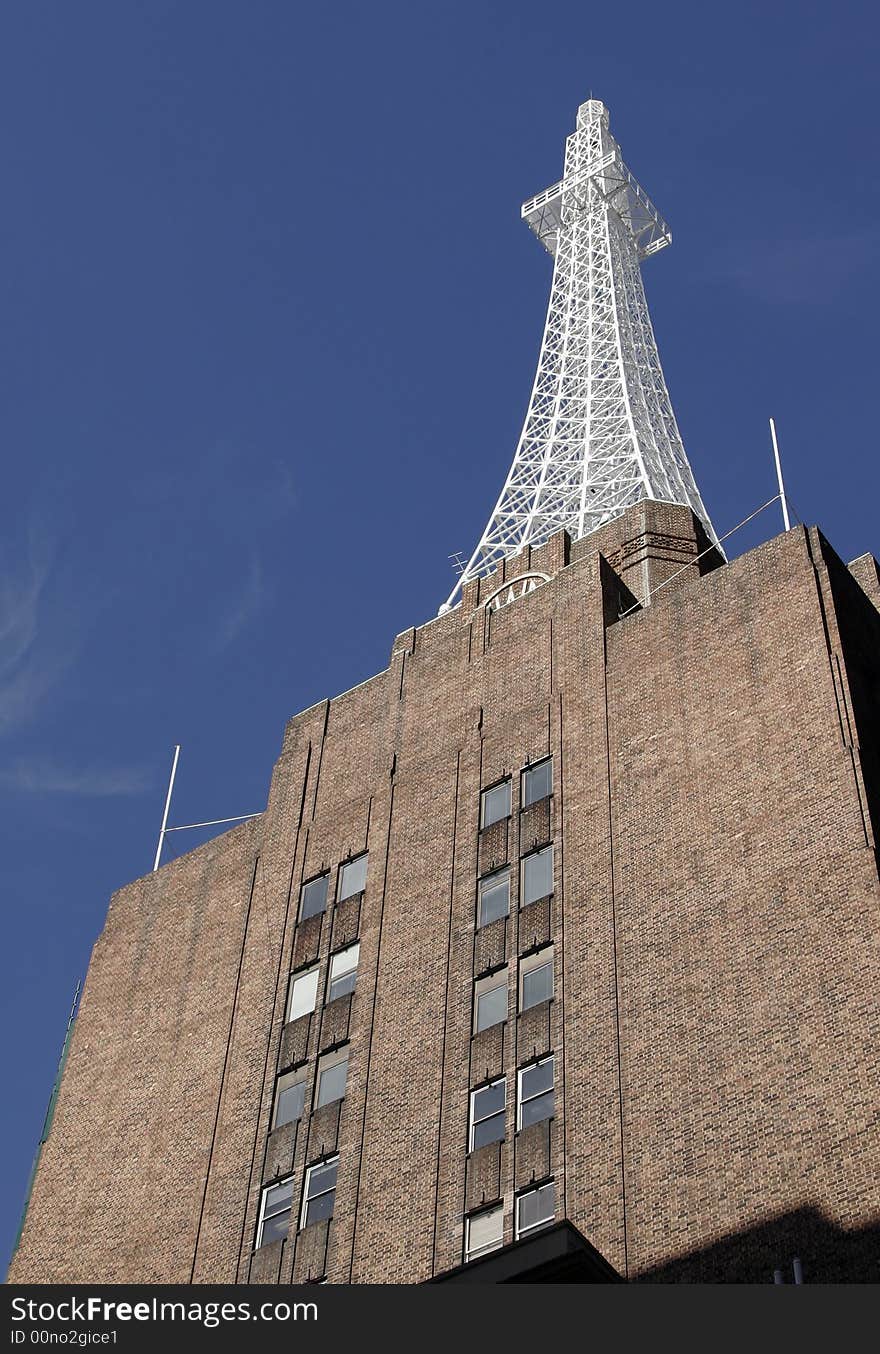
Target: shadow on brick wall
[(828, 1254)]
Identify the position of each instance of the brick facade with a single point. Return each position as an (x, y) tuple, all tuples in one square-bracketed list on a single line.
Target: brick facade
[(714, 822)]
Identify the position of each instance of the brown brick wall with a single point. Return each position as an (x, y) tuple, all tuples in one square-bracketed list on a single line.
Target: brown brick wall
[(714, 925), (121, 1178)]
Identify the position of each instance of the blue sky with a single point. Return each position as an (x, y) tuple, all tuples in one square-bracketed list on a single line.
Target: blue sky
[(269, 325)]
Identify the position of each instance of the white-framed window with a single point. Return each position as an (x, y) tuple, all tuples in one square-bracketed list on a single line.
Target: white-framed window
[(484, 1232), (303, 993), (490, 1000), (535, 1093), (536, 978), (313, 897), (275, 1208), (290, 1097), (319, 1194), (537, 876), (537, 782), (535, 1209), (494, 897), (487, 1114), (332, 1076), (343, 972), (495, 803), (353, 877)]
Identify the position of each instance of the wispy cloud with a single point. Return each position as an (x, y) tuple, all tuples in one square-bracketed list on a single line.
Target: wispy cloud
[(31, 662), (242, 605), (33, 775), (812, 269), (201, 487)]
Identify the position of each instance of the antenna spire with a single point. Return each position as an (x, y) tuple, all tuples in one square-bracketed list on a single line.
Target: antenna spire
[(599, 433)]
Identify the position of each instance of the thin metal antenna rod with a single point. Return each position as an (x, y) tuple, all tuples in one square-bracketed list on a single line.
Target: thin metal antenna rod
[(696, 559), (167, 807), (783, 500), (211, 822)]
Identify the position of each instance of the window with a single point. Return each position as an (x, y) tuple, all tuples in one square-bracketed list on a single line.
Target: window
[(537, 876), (275, 1209), (536, 1093), (303, 994), (490, 1001), (494, 901), (536, 978), (332, 1074), (495, 804), (313, 897), (535, 1209), (319, 1194), (487, 1114), (343, 972), (353, 877), (537, 782), (290, 1097), (484, 1232)]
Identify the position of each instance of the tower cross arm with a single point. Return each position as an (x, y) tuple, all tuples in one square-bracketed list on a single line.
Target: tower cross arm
[(610, 177)]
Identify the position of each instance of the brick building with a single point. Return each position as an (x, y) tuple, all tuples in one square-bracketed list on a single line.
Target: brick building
[(556, 942), (554, 955)]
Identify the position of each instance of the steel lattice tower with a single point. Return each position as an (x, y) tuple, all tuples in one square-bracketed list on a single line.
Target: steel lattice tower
[(599, 433)]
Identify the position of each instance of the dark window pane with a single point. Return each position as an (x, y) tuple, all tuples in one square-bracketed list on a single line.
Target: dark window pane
[(321, 1178), (331, 1084), (275, 1228), (489, 1099), (537, 782), (278, 1197), (354, 878), (291, 1100), (321, 1207), (533, 1111), (489, 1130), (496, 803), (492, 1006), (537, 985), (314, 897), (494, 899), (536, 1079), (537, 876)]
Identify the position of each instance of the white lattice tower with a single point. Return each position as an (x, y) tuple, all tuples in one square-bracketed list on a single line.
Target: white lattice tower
[(599, 433)]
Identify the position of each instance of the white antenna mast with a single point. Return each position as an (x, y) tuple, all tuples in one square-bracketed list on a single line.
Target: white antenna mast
[(782, 499), (185, 827), (162, 829)]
